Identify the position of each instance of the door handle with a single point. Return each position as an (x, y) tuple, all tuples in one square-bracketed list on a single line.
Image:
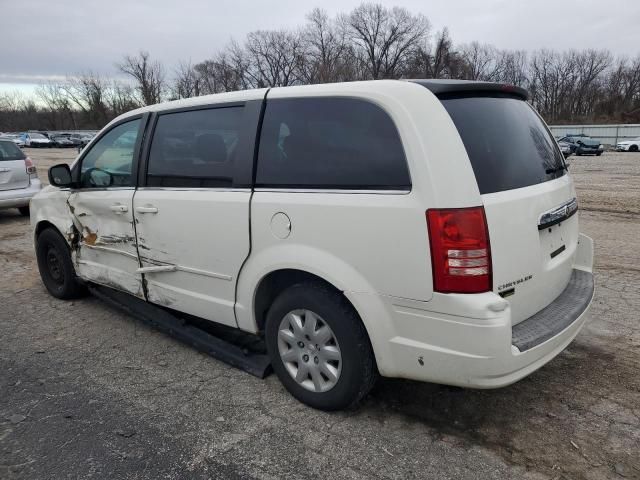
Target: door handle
[(147, 209), (119, 208)]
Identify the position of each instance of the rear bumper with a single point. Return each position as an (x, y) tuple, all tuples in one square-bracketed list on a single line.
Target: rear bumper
[(20, 197), (468, 340)]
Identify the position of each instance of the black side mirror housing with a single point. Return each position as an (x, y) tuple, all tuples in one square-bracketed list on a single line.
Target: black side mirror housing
[(60, 176)]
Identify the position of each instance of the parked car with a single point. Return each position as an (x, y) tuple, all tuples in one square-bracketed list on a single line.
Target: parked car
[(62, 141), (583, 145), (363, 228), (35, 140), (14, 138), (83, 140), (565, 148), (18, 177), (628, 145)]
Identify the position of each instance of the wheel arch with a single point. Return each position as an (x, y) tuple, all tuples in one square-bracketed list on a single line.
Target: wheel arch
[(42, 225), (297, 263), (275, 282), (280, 265)]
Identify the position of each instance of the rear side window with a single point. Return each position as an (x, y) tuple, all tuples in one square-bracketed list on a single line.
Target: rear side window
[(10, 151), (507, 142), (195, 149), (330, 143)]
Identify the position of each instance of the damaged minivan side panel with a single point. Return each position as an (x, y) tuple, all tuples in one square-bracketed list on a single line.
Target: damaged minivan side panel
[(101, 209), (106, 251)]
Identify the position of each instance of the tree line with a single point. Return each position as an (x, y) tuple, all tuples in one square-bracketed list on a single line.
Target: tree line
[(370, 42)]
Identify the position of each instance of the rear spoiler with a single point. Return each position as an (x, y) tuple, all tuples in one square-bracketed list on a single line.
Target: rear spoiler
[(445, 87)]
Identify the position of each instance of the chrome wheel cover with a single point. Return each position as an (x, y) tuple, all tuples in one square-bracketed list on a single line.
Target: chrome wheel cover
[(309, 350)]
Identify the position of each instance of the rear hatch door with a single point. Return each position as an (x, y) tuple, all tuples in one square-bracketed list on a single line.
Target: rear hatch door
[(528, 197), (13, 170)]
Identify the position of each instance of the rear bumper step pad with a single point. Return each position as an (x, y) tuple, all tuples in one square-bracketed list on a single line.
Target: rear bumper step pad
[(556, 316)]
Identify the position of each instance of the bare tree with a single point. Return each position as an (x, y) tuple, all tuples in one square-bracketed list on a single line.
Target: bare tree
[(513, 67), (384, 38), (481, 61), (225, 72), (86, 92), (370, 42), (327, 52), (119, 98), (57, 109), (187, 82), (149, 76), (273, 58)]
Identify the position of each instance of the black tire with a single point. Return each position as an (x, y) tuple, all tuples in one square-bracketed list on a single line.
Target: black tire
[(578, 152), (56, 267), (598, 154), (633, 148), (358, 368), (24, 211)]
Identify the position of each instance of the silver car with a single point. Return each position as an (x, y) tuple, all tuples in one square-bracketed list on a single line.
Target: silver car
[(18, 177)]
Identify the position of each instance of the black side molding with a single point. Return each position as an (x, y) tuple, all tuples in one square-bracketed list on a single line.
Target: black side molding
[(256, 364)]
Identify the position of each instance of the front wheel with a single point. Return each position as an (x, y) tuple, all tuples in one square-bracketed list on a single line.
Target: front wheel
[(598, 154), (56, 267), (319, 347)]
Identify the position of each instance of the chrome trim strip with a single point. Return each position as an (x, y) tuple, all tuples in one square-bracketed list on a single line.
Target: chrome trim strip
[(330, 190), (111, 250), (169, 267), (195, 189), (197, 271), (98, 189), (558, 214)]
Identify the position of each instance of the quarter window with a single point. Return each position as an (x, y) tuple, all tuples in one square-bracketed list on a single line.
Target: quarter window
[(109, 163), (330, 143), (195, 149)]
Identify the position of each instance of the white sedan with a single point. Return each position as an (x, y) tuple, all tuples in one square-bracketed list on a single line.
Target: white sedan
[(632, 145), (14, 138)]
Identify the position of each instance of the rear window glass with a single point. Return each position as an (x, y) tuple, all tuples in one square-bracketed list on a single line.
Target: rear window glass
[(331, 143), (10, 151), (507, 142)]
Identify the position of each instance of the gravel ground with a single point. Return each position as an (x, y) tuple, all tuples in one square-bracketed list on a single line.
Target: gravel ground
[(88, 392)]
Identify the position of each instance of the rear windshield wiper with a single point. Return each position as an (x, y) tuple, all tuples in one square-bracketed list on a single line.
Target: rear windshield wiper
[(554, 170)]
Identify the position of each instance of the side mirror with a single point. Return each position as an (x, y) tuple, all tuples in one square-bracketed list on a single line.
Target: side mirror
[(98, 178), (60, 176)]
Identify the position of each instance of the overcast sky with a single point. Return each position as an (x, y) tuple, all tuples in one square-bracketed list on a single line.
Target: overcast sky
[(44, 40)]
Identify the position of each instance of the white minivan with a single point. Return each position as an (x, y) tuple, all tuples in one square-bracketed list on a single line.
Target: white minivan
[(418, 229)]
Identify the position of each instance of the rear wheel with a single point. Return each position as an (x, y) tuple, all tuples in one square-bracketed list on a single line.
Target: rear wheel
[(633, 148), (598, 154), (319, 348), (56, 267), (24, 211)]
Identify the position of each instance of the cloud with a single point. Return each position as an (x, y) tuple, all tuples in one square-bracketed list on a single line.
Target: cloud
[(51, 40)]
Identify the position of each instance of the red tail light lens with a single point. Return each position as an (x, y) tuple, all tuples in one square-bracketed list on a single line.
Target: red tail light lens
[(31, 168), (460, 250)]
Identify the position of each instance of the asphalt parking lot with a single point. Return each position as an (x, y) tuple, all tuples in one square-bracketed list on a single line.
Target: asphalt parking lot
[(88, 392)]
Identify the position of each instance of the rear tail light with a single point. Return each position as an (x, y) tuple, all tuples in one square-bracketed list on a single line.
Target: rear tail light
[(460, 250), (31, 168)]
